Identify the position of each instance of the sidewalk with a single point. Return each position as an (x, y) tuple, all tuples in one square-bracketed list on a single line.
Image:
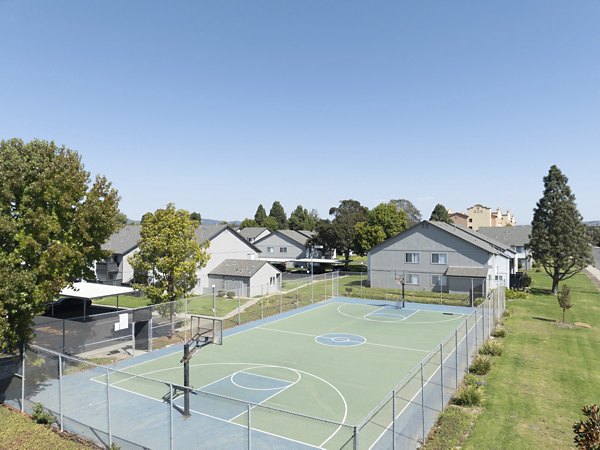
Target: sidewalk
[(594, 275)]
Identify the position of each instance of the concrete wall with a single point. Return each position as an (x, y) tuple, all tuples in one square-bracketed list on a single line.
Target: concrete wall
[(267, 280)]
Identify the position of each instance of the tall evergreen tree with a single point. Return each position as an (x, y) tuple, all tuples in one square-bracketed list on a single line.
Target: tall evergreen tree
[(440, 214), (559, 240), (301, 219), (260, 215), (278, 213)]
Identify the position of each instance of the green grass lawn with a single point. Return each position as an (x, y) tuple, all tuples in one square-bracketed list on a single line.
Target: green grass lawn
[(197, 305), (17, 431), (546, 374)]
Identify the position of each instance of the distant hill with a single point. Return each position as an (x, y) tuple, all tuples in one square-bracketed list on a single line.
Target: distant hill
[(593, 223), (204, 221)]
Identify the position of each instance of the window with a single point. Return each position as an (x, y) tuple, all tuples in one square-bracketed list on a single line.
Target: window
[(436, 279), (499, 277), (282, 249), (413, 258), (412, 278), (439, 258), (270, 249), (520, 249)]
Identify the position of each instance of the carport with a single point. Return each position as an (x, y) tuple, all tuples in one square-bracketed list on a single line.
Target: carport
[(93, 291)]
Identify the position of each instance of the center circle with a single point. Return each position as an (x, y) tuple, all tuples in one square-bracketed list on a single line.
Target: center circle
[(340, 339)]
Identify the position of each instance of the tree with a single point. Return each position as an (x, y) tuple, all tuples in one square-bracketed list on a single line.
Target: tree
[(278, 213), (122, 218), (559, 241), (260, 215), (587, 434), (196, 217), (53, 221), (383, 222), (440, 214), (170, 254), (301, 219), (339, 233), (413, 215), (248, 223), (594, 233), (564, 299), (270, 223)]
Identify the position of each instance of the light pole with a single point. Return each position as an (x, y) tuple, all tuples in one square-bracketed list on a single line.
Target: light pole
[(214, 302)]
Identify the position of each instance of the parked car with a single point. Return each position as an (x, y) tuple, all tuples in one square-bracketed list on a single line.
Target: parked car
[(66, 304)]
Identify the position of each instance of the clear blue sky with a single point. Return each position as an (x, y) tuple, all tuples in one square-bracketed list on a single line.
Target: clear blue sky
[(218, 106)]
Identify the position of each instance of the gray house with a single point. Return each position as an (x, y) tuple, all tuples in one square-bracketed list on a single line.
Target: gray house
[(115, 269), (517, 238), (436, 256), (251, 277), (284, 246), (253, 234)]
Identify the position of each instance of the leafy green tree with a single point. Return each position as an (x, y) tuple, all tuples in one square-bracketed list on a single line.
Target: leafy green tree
[(53, 221), (559, 241), (278, 213), (564, 299), (195, 216), (260, 215), (301, 219), (440, 214), (270, 223), (248, 223), (122, 218), (413, 215), (383, 222), (594, 233), (169, 253)]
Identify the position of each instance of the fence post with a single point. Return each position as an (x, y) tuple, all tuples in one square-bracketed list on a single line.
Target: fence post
[(262, 308), (355, 437), (393, 419), (422, 403), (442, 373), (60, 392), (171, 416), (110, 442), (249, 427), (476, 332), (456, 357), (467, 339), (297, 293), (23, 378), (184, 321), (239, 309), (483, 321), (280, 302)]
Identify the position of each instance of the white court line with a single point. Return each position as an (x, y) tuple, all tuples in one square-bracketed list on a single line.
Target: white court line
[(404, 322), (366, 342), (420, 389)]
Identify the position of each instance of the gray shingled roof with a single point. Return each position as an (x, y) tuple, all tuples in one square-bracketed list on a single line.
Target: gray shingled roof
[(469, 272), (516, 236), (124, 240), (238, 268), (295, 236), (251, 232), (207, 232), (470, 236)]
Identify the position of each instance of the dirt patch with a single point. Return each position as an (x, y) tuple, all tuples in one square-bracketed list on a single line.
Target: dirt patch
[(582, 325), (565, 325)]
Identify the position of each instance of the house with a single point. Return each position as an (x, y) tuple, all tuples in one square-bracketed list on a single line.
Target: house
[(284, 246), (249, 277), (252, 234), (224, 244), (116, 269), (436, 256), (459, 218), (483, 216), (516, 238)]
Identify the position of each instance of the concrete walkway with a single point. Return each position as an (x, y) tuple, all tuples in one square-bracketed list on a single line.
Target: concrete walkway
[(594, 275)]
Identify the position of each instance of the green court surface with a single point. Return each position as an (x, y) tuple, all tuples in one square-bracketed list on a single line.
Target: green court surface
[(334, 362)]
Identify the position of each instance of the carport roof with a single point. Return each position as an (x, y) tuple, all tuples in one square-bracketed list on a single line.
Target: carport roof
[(94, 290), (468, 272)]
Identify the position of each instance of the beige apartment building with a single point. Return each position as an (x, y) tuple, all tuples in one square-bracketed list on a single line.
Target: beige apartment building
[(482, 216)]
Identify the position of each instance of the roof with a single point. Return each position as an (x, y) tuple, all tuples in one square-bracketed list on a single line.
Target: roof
[(517, 235), (124, 240), (94, 290), (208, 232), (239, 267), (461, 214), (469, 272), (295, 236), (252, 232), (306, 233), (495, 243), (466, 234)]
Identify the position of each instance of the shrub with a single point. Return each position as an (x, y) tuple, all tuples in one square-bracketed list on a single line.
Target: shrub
[(469, 395), (230, 294), (587, 434), (512, 294), (41, 416), (507, 313), (492, 348), (499, 332), (481, 365), (221, 293), (525, 280), (348, 290)]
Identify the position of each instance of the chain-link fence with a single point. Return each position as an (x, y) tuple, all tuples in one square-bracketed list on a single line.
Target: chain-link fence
[(403, 419), (114, 407)]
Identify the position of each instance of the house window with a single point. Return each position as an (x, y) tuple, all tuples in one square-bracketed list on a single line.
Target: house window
[(437, 279), (282, 249), (499, 277), (272, 281), (520, 249), (412, 278), (413, 258), (270, 249), (439, 258)]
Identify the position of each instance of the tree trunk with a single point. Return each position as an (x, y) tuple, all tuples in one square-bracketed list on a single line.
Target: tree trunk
[(555, 281), (172, 313), (346, 259), (563, 315)]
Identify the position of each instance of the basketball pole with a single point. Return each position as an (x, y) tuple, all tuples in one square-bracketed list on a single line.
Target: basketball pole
[(186, 379)]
